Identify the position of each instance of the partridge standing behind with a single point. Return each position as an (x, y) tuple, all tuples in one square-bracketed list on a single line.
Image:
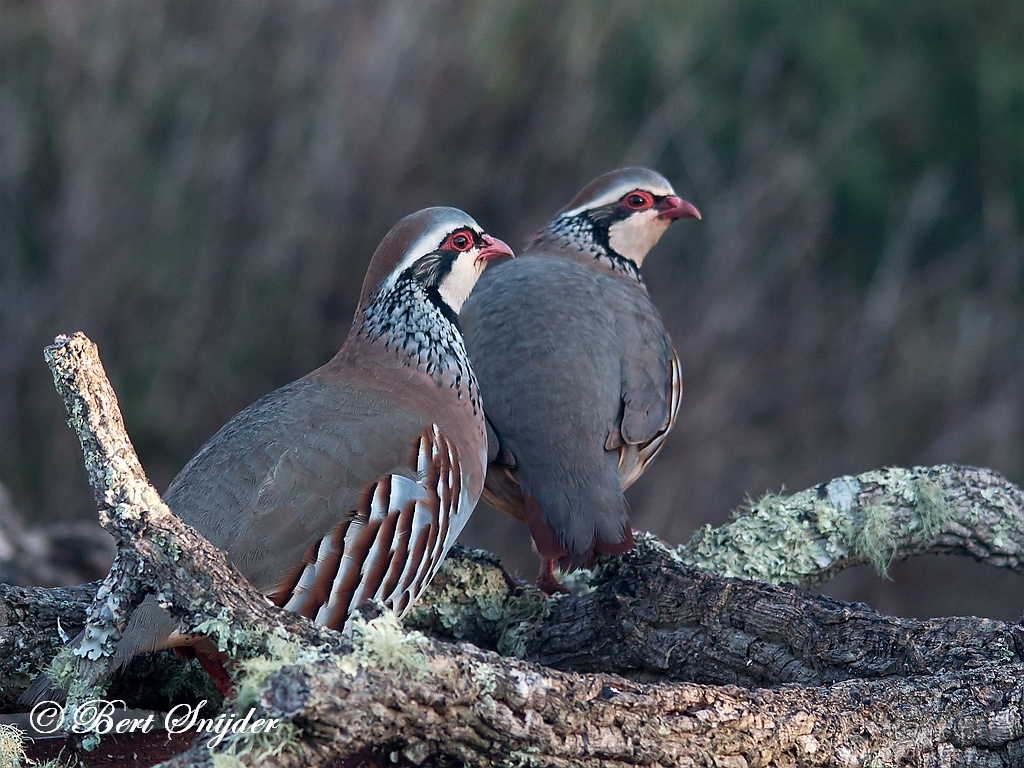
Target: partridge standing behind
[(578, 374), (354, 481)]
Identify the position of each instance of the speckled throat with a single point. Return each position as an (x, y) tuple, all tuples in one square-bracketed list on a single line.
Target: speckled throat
[(415, 323), (582, 234)]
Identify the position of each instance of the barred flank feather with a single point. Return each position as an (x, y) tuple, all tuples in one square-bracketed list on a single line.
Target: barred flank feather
[(391, 547)]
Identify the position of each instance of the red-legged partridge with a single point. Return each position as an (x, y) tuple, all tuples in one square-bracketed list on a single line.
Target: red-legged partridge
[(579, 378)]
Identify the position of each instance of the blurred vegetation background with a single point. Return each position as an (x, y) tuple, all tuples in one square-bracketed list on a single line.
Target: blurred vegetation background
[(199, 186)]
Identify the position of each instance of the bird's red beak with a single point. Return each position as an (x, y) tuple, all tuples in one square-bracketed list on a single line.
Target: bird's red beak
[(673, 207), (493, 248)]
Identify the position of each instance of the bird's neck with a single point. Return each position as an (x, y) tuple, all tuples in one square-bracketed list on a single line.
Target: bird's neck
[(423, 333), (580, 239)]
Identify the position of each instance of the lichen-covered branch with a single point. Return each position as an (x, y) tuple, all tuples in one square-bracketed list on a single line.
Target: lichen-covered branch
[(157, 552), (654, 618), (34, 624), (651, 617), (678, 623), (481, 709), (875, 517), (901, 692)]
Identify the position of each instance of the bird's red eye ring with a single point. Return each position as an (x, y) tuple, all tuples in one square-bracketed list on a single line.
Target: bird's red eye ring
[(459, 241), (638, 200)]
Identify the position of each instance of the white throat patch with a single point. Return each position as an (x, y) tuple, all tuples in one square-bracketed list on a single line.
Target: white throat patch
[(424, 244), (455, 287), (634, 236)]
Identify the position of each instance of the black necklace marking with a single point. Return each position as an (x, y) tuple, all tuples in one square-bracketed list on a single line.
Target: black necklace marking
[(416, 322), (588, 230)]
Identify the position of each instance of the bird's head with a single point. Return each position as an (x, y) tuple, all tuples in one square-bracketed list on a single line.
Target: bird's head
[(443, 250), (624, 212)]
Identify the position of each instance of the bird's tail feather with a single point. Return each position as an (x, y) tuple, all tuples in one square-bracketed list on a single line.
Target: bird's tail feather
[(574, 524)]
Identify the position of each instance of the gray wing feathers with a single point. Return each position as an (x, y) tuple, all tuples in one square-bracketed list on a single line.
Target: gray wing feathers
[(634, 457), (264, 497), (147, 630), (646, 374), (571, 363)]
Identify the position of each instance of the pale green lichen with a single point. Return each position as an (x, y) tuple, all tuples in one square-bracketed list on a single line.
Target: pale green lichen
[(875, 538), (1005, 527), (225, 760), (466, 592), (470, 598), (260, 747), (521, 758), (381, 642), (934, 511), (252, 674), (218, 629), (835, 526), (878, 536), (785, 539), (484, 680), (523, 614), (63, 668), (57, 762), (90, 741), (12, 747), (768, 541), (900, 485)]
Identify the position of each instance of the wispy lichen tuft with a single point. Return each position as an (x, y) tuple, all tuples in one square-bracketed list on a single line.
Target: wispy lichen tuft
[(261, 746), (12, 749), (252, 674), (381, 642), (875, 538), (934, 512), (768, 541)]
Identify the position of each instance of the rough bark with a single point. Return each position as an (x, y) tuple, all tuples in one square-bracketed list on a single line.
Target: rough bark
[(654, 618), (478, 708), (862, 688), (876, 517), (34, 624)]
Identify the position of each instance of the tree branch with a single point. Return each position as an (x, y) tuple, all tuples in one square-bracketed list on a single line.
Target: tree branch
[(34, 625), (481, 709), (876, 517), (651, 617), (861, 687), (157, 553)]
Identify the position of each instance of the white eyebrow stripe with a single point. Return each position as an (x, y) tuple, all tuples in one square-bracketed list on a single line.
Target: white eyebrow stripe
[(617, 192), (427, 242)]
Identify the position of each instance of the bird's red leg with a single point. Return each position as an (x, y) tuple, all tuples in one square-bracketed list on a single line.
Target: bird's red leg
[(213, 662), (547, 582), (548, 546)]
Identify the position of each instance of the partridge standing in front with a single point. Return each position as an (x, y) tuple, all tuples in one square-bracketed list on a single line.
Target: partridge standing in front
[(354, 481), (579, 377)]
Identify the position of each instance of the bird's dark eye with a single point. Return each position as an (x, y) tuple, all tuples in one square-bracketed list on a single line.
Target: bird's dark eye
[(638, 200), (459, 241)]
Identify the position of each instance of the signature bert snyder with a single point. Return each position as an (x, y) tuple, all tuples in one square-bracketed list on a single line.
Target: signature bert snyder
[(100, 716)]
